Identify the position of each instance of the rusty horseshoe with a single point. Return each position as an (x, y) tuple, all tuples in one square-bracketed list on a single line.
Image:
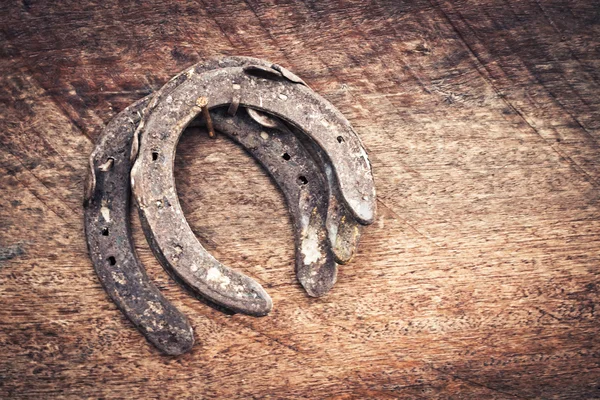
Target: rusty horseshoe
[(153, 183), (303, 142), (110, 245)]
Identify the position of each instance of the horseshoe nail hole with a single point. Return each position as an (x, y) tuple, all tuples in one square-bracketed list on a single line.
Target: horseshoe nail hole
[(104, 231), (286, 156), (340, 139), (112, 260), (302, 179), (164, 202), (154, 155)]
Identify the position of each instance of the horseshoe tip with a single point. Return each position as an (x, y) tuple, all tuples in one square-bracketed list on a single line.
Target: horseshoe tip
[(178, 347), (365, 214), (265, 306), (316, 291), (259, 305), (321, 286), (363, 210)]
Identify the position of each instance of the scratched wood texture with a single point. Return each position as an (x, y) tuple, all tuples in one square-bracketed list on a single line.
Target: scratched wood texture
[(479, 279)]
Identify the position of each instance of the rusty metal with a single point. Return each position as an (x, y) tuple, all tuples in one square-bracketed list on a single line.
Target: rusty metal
[(110, 245), (152, 174), (344, 231), (202, 102), (304, 186), (294, 103), (288, 129)]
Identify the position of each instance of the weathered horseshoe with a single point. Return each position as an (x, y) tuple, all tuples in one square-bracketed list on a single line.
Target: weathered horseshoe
[(152, 174), (110, 245), (304, 187), (344, 231), (309, 112), (127, 283)]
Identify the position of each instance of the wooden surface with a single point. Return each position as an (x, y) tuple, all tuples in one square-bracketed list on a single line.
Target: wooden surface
[(479, 279)]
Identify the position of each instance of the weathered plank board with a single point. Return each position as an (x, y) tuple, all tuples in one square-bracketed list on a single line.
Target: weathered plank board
[(479, 279)]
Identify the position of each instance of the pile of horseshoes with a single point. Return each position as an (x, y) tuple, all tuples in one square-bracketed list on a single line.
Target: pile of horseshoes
[(307, 146)]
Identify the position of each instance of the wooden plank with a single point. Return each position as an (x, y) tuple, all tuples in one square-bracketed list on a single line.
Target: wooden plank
[(479, 278)]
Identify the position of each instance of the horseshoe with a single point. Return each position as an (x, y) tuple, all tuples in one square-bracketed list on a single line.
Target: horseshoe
[(107, 194), (110, 245), (344, 231), (152, 174), (267, 89), (173, 335), (304, 187)]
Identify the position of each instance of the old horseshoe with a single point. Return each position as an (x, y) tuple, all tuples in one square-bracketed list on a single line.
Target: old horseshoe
[(304, 187), (329, 214), (110, 245), (152, 174)]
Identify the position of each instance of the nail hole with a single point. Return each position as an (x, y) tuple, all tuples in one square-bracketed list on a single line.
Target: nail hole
[(111, 260), (286, 156), (303, 180), (154, 156), (340, 139), (104, 231)]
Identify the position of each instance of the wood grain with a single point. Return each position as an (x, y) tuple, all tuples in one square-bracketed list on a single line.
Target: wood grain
[(479, 278)]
